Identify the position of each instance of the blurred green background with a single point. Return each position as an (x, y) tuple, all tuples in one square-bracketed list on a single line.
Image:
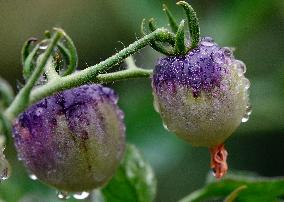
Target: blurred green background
[(101, 27)]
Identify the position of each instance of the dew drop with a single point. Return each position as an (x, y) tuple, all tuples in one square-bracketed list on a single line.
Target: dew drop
[(4, 167), (248, 109), (241, 67), (246, 83), (218, 57), (165, 126), (33, 176), (245, 118), (63, 195), (81, 195), (156, 107)]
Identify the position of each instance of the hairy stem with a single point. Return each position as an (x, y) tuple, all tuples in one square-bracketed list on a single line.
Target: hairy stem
[(92, 74), (124, 74)]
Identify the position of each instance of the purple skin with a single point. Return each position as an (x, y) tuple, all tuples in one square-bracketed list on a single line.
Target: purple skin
[(201, 96), (73, 140)]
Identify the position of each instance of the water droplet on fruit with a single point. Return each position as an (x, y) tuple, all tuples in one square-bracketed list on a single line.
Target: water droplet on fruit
[(246, 83), (81, 195), (245, 118), (63, 195), (241, 67), (165, 126), (156, 107), (4, 167), (33, 177), (207, 43), (248, 109)]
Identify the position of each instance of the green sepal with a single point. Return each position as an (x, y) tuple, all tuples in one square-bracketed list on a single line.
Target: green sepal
[(180, 47), (193, 23), (142, 27), (26, 48), (69, 53), (156, 45), (28, 65)]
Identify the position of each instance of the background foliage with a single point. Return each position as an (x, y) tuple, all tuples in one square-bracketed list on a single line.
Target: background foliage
[(100, 27)]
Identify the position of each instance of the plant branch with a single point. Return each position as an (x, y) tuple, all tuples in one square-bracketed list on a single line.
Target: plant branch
[(124, 74), (22, 99), (87, 75)]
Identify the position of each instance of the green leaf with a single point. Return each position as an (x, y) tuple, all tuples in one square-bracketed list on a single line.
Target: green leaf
[(244, 188), (134, 180), (232, 196)]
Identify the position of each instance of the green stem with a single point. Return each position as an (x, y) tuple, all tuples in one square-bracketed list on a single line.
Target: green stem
[(87, 75), (124, 74), (22, 99)]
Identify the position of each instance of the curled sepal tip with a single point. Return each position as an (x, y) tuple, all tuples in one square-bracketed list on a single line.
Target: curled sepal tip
[(27, 48), (28, 64), (172, 21), (157, 43), (180, 47), (193, 23), (69, 52)]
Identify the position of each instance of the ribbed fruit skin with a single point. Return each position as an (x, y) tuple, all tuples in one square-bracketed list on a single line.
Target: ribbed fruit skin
[(201, 96), (73, 140)]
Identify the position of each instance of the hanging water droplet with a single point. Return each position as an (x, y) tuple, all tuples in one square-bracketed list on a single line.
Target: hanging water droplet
[(245, 118), (249, 109), (63, 195), (33, 176), (5, 171), (165, 126), (246, 83), (4, 167), (81, 195), (156, 107)]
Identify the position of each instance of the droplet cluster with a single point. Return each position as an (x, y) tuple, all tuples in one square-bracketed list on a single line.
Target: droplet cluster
[(4, 166), (202, 96), (201, 69), (73, 140)]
